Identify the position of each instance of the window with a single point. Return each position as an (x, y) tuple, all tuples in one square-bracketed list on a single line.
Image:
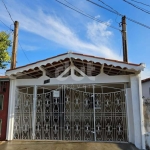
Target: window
[(0, 126), (1, 101)]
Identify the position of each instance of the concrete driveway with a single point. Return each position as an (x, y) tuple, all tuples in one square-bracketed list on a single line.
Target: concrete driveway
[(49, 145)]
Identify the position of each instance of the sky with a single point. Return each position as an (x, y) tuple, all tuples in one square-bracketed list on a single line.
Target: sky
[(47, 28)]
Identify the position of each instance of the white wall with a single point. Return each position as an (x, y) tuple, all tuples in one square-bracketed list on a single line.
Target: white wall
[(130, 119), (145, 89), (137, 107)]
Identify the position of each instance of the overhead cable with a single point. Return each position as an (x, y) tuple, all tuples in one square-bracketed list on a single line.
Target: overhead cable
[(142, 9), (108, 6), (132, 20), (140, 3), (6, 25), (17, 35), (24, 51), (85, 14), (8, 11)]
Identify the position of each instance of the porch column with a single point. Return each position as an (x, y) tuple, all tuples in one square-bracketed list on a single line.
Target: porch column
[(137, 106), (11, 109), (130, 116), (34, 111)]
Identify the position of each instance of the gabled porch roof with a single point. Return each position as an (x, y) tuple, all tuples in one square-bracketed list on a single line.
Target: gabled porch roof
[(90, 65)]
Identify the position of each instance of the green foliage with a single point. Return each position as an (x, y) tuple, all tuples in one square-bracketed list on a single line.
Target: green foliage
[(5, 43)]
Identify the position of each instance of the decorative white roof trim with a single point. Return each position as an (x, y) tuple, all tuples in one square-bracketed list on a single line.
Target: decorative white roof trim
[(75, 56), (109, 62)]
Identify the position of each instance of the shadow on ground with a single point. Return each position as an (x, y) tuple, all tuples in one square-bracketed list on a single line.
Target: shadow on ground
[(49, 145)]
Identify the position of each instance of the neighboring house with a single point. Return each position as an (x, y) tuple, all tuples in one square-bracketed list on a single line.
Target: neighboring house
[(76, 97), (146, 88), (146, 100), (4, 98)]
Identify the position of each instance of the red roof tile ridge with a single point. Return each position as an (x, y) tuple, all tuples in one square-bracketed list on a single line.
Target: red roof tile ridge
[(75, 54), (1, 77), (114, 60), (145, 80)]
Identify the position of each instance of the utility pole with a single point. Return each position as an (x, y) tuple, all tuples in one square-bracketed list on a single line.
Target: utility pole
[(15, 44), (124, 40)]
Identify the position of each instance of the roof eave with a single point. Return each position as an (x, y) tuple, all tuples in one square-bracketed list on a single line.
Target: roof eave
[(135, 67)]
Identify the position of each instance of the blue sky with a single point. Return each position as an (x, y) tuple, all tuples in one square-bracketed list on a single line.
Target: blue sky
[(47, 28)]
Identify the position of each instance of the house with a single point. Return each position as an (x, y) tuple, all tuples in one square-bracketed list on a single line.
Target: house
[(4, 99), (146, 100), (76, 97), (146, 88)]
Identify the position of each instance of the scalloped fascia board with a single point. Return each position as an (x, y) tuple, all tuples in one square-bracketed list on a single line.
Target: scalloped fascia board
[(75, 56)]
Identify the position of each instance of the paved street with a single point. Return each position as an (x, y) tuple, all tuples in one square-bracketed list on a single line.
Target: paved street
[(49, 145)]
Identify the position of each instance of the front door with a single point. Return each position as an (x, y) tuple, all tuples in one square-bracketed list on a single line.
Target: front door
[(4, 96)]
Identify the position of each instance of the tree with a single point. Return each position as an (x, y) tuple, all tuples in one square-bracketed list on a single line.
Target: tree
[(5, 43)]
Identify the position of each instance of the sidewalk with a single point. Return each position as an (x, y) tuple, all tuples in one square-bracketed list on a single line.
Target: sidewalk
[(49, 145)]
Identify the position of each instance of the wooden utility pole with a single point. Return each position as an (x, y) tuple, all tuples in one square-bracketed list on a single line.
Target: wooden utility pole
[(124, 40), (15, 44)]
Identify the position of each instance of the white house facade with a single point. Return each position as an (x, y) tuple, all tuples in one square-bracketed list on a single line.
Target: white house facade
[(76, 97)]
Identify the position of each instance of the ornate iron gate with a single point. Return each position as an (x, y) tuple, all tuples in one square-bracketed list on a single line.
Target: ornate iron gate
[(72, 115), (23, 116)]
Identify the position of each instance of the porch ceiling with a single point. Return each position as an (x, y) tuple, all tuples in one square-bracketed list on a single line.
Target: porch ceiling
[(89, 65)]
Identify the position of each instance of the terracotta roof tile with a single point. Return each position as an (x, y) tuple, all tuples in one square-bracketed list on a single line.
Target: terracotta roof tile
[(145, 80), (3, 76), (107, 59), (80, 55)]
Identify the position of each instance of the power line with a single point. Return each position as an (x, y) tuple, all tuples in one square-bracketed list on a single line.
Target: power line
[(108, 6), (8, 11), (142, 9), (112, 9), (85, 14), (132, 20), (23, 51), (141, 3), (17, 35), (6, 25)]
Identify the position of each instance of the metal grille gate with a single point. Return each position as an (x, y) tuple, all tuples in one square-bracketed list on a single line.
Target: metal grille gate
[(74, 115), (23, 116)]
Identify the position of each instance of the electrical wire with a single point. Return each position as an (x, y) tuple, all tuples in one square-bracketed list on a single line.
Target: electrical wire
[(6, 25), (132, 20), (85, 14), (108, 6), (23, 51), (17, 35), (140, 3), (142, 9), (8, 11), (112, 9)]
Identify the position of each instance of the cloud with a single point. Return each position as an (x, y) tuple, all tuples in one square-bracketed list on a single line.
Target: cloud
[(54, 29), (100, 36), (97, 17), (98, 33)]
